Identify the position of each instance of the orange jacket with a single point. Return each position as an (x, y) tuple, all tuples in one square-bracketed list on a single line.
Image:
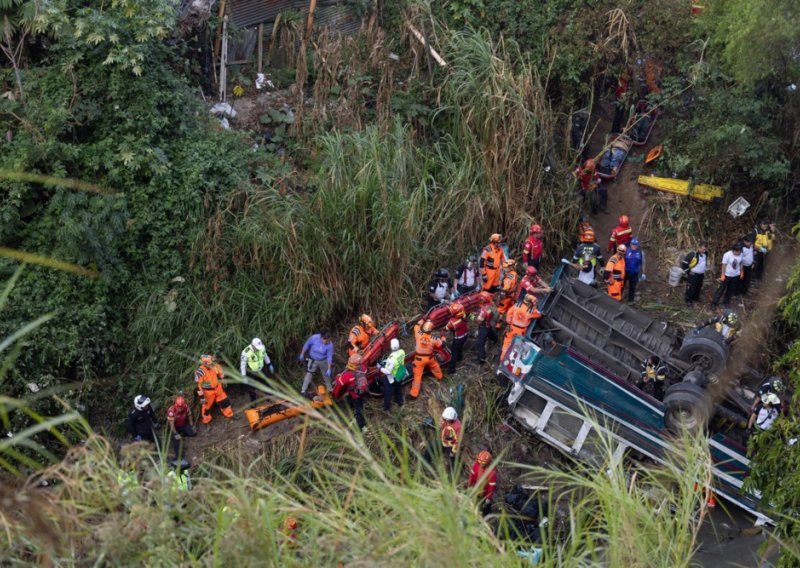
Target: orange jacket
[(360, 336), (451, 435), (208, 378), (491, 259), (520, 316), (509, 285), (426, 343), (615, 269)]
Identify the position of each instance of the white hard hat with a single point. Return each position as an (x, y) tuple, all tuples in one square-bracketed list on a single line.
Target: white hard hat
[(394, 344), (771, 398), (257, 344), (141, 402), (449, 413)]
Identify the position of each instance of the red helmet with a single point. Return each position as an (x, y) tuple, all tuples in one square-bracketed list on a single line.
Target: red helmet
[(290, 524), (531, 271), (536, 228), (456, 309), (180, 401), (623, 220), (484, 458), (486, 297), (589, 164), (588, 236), (354, 361)]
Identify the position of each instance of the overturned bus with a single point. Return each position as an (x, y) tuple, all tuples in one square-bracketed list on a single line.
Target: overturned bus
[(584, 355)]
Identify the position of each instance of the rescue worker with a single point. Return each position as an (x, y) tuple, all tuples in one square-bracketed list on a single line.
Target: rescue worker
[(589, 183), (458, 325), (726, 324), (587, 256), (748, 259), (634, 268), (533, 248), (730, 275), (490, 264), (320, 358), (354, 379), (519, 318), (179, 418), (762, 242), (394, 372), (508, 289), (772, 385), (766, 413), (178, 476), (439, 289), (531, 283), (654, 375), (621, 235), (288, 535), (583, 226), (209, 377), (694, 267), (468, 276), (142, 422), (614, 273), (450, 436), (423, 355), (620, 102), (361, 334), (487, 319), (485, 478), (255, 366)]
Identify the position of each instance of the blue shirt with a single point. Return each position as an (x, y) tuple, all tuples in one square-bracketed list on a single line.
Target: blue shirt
[(317, 350), (633, 260)]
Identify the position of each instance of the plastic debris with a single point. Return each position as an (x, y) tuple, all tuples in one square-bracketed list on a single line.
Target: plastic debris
[(738, 207), (224, 109)]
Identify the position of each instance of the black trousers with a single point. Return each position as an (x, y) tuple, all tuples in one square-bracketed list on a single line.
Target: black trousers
[(744, 283), (185, 431), (358, 410), (457, 349), (254, 376), (759, 262), (694, 283), (484, 333), (725, 292), (632, 279), (391, 391)]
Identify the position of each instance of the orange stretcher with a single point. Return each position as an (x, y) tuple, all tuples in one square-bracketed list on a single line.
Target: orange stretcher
[(271, 413)]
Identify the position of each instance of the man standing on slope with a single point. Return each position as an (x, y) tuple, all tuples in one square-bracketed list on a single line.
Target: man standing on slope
[(209, 377), (255, 366), (317, 353), (491, 263), (423, 355)]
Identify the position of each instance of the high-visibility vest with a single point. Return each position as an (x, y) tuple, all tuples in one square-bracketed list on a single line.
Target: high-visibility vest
[(763, 240), (255, 358)]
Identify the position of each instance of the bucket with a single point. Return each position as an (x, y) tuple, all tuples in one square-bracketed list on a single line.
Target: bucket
[(675, 274)]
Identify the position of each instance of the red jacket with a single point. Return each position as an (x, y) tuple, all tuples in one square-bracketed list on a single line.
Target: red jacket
[(620, 236), (532, 250), (458, 326), (180, 414), (489, 482), (527, 284), (347, 382)]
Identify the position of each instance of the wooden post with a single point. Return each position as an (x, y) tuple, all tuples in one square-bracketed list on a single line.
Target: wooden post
[(223, 61), (260, 47), (310, 22), (217, 39)]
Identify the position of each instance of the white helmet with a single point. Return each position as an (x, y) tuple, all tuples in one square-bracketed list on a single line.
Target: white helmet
[(141, 402), (394, 344), (771, 398), (257, 344), (449, 413)]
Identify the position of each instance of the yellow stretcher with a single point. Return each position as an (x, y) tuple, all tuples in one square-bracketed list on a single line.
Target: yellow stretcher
[(701, 191)]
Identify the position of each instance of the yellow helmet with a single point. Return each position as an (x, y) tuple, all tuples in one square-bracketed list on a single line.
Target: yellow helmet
[(530, 299), (510, 263), (495, 238), (427, 327)]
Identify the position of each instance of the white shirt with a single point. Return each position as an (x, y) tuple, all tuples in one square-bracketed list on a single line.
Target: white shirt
[(733, 264), (747, 256), (700, 267), (440, 293), (766, 416), (469, 277), (586, 276)]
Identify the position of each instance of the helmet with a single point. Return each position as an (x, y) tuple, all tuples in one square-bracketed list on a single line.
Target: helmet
[(635, 242), (257, 344), (141, 402), (777, 385), (495, 238), (206, 360), (472, 258), (449, 413), (354, 361), (623, 220), (622, 248), (366, 320), (731, 318), (484, 457), (180, 401), (290, 524), (427, 327), (487, 297), (456, 309), (394, 344), (530, 299), (588, 235), (536, 228), (737, 246), (763, 223), (510, 263), (583, 218), (589, 164), (442, 273), (531, 271), (771, 398)]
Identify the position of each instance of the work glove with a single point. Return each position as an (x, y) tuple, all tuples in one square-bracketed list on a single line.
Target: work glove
[(328, 372), (271, 369), (137, 438), (643, 277), (177, 436), (300, 358)]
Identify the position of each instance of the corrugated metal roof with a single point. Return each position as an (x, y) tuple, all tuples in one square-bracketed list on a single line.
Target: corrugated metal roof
[(333, 13)]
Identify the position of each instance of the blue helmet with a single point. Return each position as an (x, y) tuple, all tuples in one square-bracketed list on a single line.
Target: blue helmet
[(635, 242)]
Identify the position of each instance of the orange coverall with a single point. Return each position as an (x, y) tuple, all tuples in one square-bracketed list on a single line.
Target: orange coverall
[(615, 276), (508, 291), (424, 359), (359, 338), (210, 388), (519, 318), (490, 264)]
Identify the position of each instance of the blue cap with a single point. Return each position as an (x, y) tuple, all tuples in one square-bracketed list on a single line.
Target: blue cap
[(635, 242)]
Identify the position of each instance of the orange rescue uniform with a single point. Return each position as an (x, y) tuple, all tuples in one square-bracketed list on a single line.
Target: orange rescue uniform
[(508, 291), (615, 276), (424, 359), (359, 338), (211, 389), (490, 264), (519, 318)]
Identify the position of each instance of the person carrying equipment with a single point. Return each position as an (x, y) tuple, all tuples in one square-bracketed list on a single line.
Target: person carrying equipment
[(458, 325), (255, 366), (694, 267), (142, 422), (621, 235), (615, 273), (485, 478), (487, 318), (727, 324), (654, 374), (508, 289), (586, 257), (519, 318), (354, 379), (531, 283), (423, 356), (439, 289), (533, 248), (766, 413), (763, 237), (468, 276), (209, 377), (772, 385), (394, 372), (634, 267), (320, 358), (490, 264), (179, 419), (730, 275), (450, 436), (361, 334)]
